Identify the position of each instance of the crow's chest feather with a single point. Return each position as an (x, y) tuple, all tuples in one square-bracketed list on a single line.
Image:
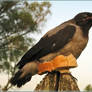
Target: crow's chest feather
[(76, 45)]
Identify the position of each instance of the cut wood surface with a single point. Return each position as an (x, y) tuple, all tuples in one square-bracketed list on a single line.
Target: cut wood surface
[(59, 77), (57, 63)]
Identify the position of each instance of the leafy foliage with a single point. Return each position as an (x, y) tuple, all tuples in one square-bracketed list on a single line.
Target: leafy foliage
[(18, 19), (88, 88)]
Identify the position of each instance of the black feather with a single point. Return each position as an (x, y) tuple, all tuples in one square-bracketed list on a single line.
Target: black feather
[(16, 80)]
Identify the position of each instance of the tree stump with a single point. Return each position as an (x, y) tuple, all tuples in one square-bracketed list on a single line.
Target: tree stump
[(59, 77), (57, 81)]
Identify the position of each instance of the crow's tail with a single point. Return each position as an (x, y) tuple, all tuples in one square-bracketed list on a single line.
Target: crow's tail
[(18, 80), (24, 74)]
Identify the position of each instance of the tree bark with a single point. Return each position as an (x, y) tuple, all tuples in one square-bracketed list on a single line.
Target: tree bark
[(57, 81)]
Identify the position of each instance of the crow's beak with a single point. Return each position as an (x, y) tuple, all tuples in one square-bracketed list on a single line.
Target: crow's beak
[(89, 18)]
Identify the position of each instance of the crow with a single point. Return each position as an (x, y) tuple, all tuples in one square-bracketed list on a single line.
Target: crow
[(71, 37)]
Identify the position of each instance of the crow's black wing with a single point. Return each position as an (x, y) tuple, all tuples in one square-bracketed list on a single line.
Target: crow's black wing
[(48, 44)]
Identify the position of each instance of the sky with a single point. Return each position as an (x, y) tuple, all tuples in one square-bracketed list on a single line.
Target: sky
[(61, 12)]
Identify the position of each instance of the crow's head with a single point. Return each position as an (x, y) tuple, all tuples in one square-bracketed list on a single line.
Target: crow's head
[(83, 19)]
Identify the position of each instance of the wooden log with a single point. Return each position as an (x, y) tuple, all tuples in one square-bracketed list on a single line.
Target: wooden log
[(57, 81), (59, 77)]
